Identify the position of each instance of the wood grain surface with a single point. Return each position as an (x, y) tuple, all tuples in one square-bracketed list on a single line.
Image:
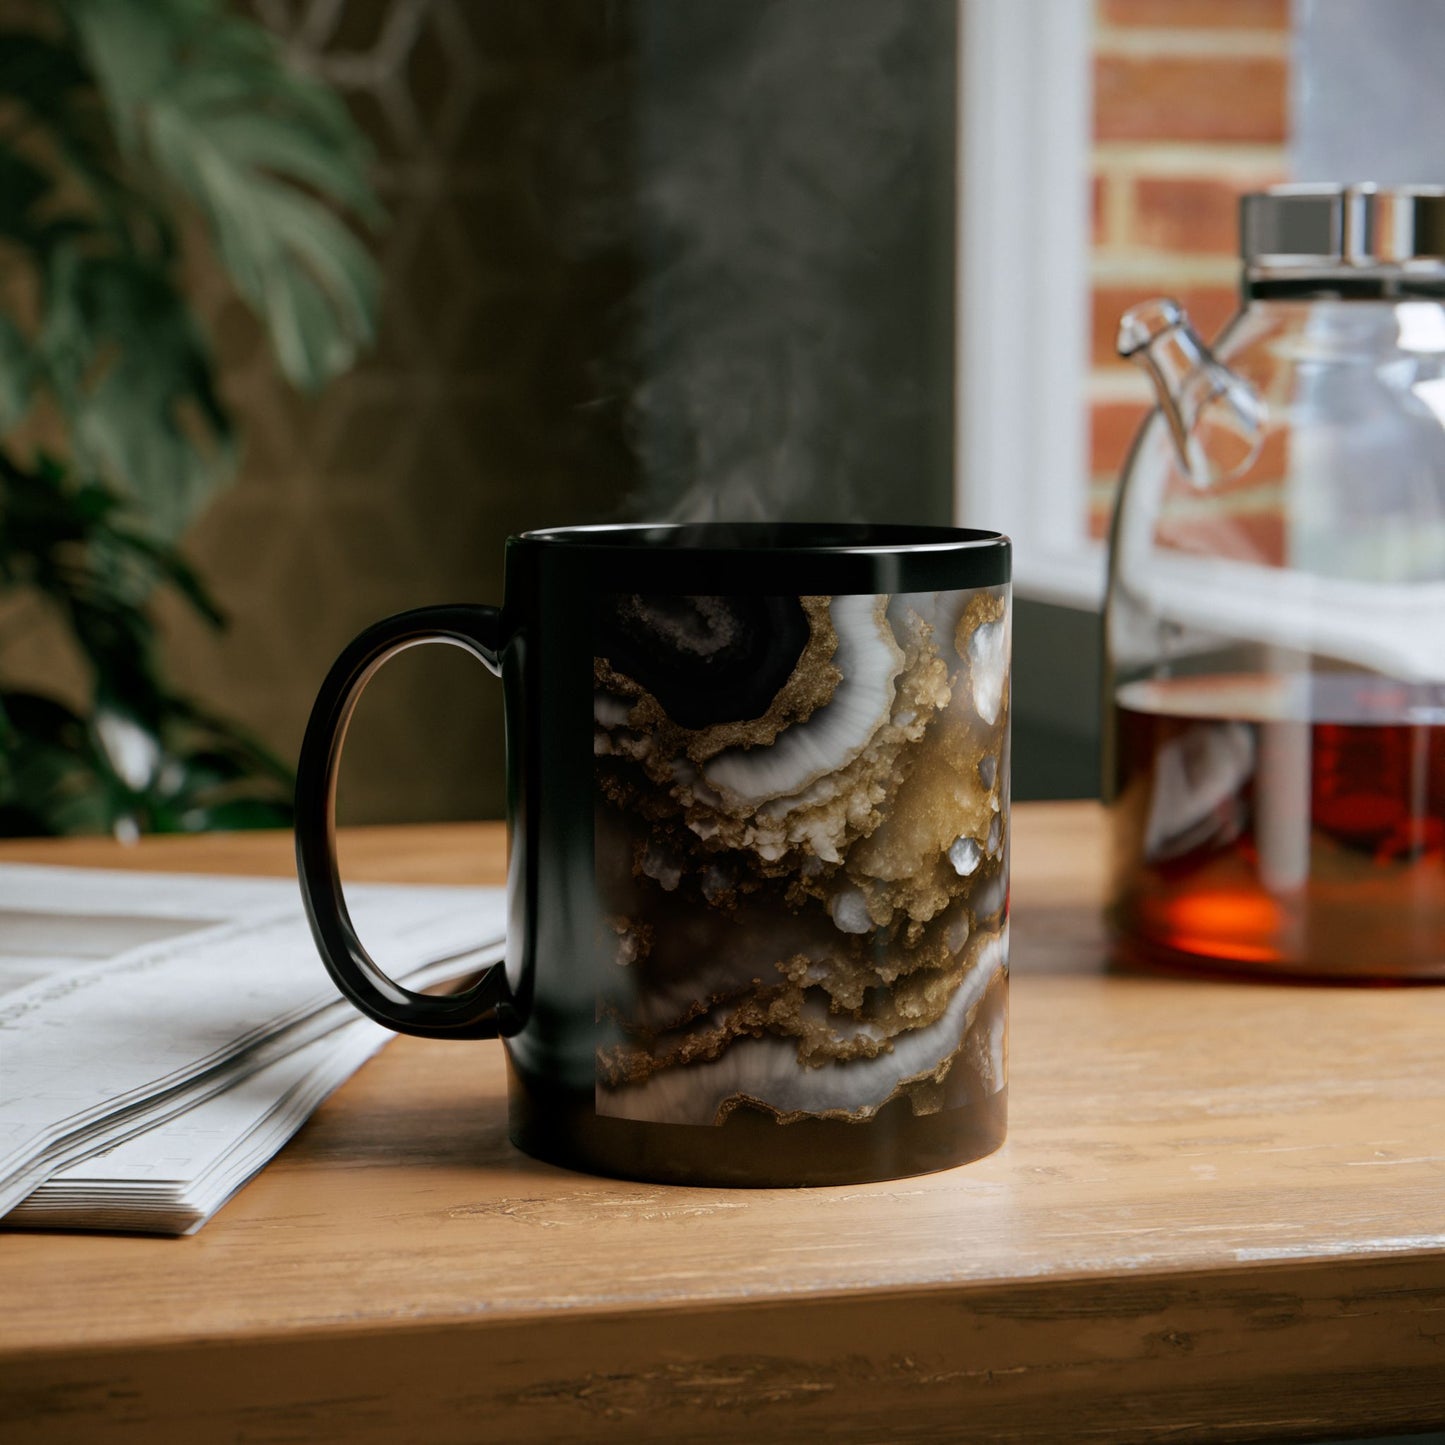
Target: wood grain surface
[(1220, 1214)]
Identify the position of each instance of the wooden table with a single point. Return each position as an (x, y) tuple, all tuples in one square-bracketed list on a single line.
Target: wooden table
[(1220, 1213)]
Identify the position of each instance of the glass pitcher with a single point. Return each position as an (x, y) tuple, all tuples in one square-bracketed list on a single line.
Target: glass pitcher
[(1275, 624)]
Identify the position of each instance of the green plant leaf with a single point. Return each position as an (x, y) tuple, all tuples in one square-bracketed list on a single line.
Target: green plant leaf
[(22, 186), (54, 96), (17, 371), (38, 72), (265, 153), (242, 747), (49, 783), (169, 566), (60, 773), (134, 377), (74, 546)]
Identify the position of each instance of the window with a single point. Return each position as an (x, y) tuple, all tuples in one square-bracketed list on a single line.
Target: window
[(1104, 145)]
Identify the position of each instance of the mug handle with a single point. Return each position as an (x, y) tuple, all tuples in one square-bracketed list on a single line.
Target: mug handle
[(474, 1013)]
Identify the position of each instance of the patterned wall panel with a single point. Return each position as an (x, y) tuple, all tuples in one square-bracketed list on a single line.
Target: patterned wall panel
[(478, 415)]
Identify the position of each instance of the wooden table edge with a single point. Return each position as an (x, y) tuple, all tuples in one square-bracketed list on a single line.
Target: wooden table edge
[(1178, 1352), (1189, 1280)]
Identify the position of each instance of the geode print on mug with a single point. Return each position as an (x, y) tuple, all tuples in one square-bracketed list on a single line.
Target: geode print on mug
[(801, 847)]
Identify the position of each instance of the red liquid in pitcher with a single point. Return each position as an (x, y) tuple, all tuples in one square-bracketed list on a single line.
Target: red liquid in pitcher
[(1291, 825)]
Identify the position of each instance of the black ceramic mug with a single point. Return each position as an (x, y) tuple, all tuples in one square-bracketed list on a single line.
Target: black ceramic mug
[(758, 796)]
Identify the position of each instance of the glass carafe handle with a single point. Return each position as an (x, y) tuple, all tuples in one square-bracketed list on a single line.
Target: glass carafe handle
[(1216, 418)]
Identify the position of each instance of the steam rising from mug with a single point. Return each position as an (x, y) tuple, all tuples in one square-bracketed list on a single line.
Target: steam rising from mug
[(788, 339)]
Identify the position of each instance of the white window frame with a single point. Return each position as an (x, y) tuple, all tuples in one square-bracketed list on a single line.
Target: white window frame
[(1025, 120)]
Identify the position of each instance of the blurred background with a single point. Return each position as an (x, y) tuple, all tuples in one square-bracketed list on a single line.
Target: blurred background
[(630, 258)]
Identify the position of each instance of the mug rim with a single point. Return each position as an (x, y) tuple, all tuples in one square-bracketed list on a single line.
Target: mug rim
[(778, 539)]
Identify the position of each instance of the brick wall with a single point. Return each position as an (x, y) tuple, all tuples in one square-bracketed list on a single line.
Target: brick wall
[(1190, 110)]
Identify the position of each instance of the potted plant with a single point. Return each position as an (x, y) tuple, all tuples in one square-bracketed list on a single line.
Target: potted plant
[(130, 130)]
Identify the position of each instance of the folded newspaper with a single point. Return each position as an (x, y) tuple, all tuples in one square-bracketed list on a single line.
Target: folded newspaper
[(161, 1036)]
